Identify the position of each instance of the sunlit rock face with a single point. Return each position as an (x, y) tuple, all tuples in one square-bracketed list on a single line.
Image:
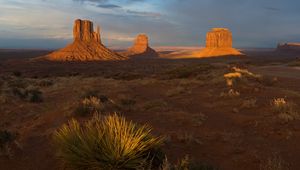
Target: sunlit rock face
[(83, 30), (218, 43), (140, 44), (141, 49), (219, 38), (86, 46)]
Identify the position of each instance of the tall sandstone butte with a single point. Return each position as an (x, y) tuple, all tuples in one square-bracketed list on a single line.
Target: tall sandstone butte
[(218, 43), (86, 46), (141, 48)]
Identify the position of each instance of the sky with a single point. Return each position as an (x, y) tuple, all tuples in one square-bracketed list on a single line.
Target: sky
[(49, 23)]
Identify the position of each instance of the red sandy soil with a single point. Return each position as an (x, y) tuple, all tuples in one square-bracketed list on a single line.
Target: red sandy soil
[(180, 99)]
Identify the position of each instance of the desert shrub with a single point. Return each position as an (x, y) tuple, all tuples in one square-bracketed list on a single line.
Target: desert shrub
[(110, 143), (31, 95), (239, 74), (88, 106), (231, 77), (6, 138), (285, 110)]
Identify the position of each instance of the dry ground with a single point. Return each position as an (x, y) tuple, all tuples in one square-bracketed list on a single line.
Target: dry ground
[(187, 101)]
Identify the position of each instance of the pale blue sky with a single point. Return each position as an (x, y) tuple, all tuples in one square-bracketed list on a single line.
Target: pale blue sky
[(48, 23)]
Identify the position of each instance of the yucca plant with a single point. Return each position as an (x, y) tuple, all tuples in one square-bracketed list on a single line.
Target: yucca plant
[(111, 143)]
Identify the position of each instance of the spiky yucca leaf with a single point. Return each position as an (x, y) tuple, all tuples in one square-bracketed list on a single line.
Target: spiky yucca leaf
[(111, 143)]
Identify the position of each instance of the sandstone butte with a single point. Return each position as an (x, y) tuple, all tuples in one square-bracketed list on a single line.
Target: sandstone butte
[(141, 48), (218, 43), (86, 46), (289, 47)]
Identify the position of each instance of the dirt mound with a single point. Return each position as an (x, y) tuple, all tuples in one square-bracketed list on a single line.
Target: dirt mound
[(141, 48), (86, 46), (218, 43)]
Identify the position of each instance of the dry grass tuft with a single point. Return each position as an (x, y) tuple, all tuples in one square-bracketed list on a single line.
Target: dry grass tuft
[(285, 110), (111, 143)]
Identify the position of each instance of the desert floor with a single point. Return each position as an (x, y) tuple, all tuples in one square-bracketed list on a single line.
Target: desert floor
[(187, 101)]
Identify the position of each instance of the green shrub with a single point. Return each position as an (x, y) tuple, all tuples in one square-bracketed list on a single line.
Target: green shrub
[(111, 143)]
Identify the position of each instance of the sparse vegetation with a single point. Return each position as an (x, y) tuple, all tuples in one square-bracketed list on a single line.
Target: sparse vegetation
[(110, 143), (285, 110), (274, 163), (185, 164), (188, 71), (31, 95)]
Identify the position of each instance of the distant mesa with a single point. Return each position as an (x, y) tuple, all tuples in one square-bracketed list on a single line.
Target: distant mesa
[(141, 48), (87, 46), (218, 43), (288, 47)]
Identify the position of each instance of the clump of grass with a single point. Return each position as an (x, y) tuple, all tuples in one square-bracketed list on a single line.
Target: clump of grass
[(88, 106), (111, 143), (285, 110)]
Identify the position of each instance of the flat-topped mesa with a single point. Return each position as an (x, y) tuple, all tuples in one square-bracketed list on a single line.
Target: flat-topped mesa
[(218, 43), (290, 47), (83, 30), (86, 46), (140, 48), (219, 38)]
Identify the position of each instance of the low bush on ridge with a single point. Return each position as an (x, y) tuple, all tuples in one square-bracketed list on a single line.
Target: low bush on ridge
[(110, 143)]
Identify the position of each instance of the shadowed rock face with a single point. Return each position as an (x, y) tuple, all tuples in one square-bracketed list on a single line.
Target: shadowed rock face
[(218, 43), (141, 48), (86, 46)]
